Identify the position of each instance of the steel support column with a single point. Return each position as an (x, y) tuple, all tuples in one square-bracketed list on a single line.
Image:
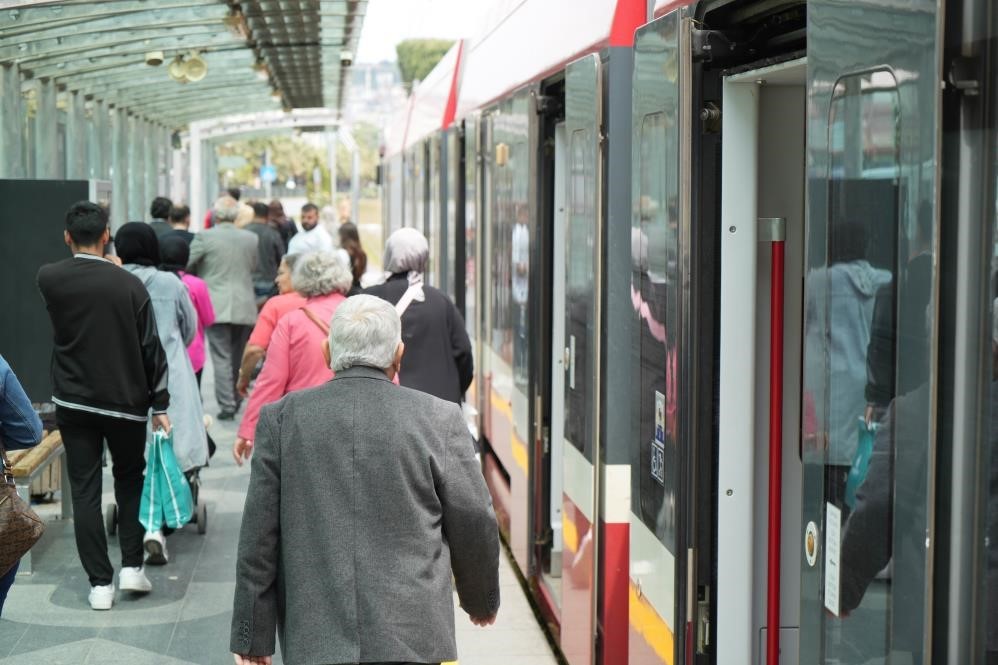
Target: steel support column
[(77, 131), (331, 145), (100, 143), (11, 123), (150, 140), (195, 165), (355, 186), (119, 168), (133, 171), (46, 132)]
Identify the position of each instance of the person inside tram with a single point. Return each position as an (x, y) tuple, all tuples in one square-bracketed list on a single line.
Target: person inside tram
[(314, 236), (326, 516), (176, 323), (20, 427), (225, 257), (160, 213), (294, 356), (439, 361), (180, 223), (286, 300), (109, 370), (270, 251)]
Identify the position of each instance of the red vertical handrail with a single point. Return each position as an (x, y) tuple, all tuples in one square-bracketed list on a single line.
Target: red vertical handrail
[(775, 449)]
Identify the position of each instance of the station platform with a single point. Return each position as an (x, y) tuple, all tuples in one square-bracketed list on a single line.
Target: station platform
[(186, 619)]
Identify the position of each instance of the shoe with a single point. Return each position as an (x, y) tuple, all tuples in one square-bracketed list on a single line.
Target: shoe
[(101, 597), (134, 579), (155, 546), (226, 415)]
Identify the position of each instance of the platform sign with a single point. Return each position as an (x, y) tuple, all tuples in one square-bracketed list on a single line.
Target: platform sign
[(268, 173)]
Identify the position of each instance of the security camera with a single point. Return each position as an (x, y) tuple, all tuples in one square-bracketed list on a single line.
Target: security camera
[(154, 58), (346, 58)]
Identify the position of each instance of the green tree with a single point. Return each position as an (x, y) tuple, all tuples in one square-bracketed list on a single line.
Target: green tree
[(417, 57)]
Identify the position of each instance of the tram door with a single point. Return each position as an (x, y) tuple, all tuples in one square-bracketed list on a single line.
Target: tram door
[(581, 286), (866, 537)]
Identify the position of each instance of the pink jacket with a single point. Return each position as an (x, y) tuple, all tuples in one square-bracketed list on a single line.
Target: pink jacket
[(294, 359), (206, 316)]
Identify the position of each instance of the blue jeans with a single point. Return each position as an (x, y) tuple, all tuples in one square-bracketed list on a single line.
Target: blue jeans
[(6, 582)]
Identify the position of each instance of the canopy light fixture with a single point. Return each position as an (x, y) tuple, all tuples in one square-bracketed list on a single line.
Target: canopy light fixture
[(191, 70)]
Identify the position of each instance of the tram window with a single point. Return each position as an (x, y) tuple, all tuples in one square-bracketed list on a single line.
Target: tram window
[(654, 294), (579, 324)]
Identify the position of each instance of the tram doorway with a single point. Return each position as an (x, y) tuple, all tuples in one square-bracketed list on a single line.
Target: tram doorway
[(763, 202)]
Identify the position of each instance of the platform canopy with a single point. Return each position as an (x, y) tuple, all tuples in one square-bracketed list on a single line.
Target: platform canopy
[(214, 57)]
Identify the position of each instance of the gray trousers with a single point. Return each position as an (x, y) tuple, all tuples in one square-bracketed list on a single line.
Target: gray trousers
[(226, 342)]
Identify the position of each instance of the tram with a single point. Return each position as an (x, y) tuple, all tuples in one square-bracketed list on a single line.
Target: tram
[(727, 269)]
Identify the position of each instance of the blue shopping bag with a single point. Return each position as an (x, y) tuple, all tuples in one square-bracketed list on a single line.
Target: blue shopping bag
[(861, 461), (166, 495)]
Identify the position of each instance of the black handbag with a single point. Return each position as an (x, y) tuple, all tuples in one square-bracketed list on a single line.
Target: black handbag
[(20, 526)]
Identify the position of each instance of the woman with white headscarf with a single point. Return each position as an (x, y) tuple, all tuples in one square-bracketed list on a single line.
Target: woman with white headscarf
[(438, 356)]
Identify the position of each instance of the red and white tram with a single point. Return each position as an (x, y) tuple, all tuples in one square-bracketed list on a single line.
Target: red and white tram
[(728, 356)]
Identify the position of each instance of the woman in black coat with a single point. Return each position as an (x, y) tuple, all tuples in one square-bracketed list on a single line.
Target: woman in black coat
[(438, 357)]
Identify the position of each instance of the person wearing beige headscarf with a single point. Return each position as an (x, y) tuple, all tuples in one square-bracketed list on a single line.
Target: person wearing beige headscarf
[(244, 217)]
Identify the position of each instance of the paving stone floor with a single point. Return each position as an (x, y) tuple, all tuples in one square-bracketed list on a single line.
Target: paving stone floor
[(47, 620)]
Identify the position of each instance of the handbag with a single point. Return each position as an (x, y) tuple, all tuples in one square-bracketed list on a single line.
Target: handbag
[(166, 494), (20, 526)]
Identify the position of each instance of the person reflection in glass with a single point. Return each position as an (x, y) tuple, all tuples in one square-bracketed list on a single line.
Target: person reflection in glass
[(849, 285), (886, 332)]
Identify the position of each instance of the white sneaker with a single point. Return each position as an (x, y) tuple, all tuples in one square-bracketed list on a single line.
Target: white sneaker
[(134, 579), (155, 545), (101, 597)]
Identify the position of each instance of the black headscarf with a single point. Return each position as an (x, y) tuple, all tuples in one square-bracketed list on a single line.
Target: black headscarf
[(174, 252), (136, 242)]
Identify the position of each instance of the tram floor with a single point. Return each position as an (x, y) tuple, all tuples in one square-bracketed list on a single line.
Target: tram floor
[(47, 621)]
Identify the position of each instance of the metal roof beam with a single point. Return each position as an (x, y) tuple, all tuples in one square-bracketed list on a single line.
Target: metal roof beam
[(108, 14)]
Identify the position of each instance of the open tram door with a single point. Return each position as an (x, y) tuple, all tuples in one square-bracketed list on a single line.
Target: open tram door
[(869, 382)]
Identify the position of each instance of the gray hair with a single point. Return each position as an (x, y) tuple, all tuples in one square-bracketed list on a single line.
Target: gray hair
[(365, 330), (320, 273), (226, 209), (406, 250)]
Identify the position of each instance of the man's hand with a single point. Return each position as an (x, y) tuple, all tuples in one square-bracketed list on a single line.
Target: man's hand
[(241, 450), (253, 660), (161, 421), (483, 622)]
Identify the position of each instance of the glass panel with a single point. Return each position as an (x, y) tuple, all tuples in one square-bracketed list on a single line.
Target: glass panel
[(654, 294), (868, 312), (471, 231), (579, 235)]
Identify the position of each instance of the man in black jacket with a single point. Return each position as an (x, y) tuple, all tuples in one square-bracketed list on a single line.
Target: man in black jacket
[(108, 370)]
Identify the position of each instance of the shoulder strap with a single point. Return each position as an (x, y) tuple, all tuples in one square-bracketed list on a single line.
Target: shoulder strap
[(315, 319), (406, 299)]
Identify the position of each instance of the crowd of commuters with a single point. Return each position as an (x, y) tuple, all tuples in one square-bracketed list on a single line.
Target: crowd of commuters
[(334, 376)]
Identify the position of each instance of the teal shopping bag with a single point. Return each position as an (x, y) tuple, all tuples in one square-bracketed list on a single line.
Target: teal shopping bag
[(166, 495), (861, 460)]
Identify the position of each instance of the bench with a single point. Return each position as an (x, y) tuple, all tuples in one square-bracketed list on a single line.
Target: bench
[(26, 465)]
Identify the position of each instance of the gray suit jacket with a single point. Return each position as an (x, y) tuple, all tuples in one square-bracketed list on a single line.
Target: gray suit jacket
[(225, 258), (364, 498)]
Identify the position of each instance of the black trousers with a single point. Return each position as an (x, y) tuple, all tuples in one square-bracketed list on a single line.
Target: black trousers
[(83, 436)]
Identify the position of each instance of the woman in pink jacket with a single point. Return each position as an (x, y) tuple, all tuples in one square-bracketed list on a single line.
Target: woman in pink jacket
[(295, 357)]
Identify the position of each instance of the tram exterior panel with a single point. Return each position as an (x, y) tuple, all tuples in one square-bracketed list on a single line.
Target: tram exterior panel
[(593, 202)]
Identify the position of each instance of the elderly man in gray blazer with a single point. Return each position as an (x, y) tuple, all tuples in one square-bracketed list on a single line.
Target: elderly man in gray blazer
[(225, 258), (364, 499)]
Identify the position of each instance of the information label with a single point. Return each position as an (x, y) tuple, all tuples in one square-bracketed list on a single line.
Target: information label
[(833, 528), (658, 440)]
